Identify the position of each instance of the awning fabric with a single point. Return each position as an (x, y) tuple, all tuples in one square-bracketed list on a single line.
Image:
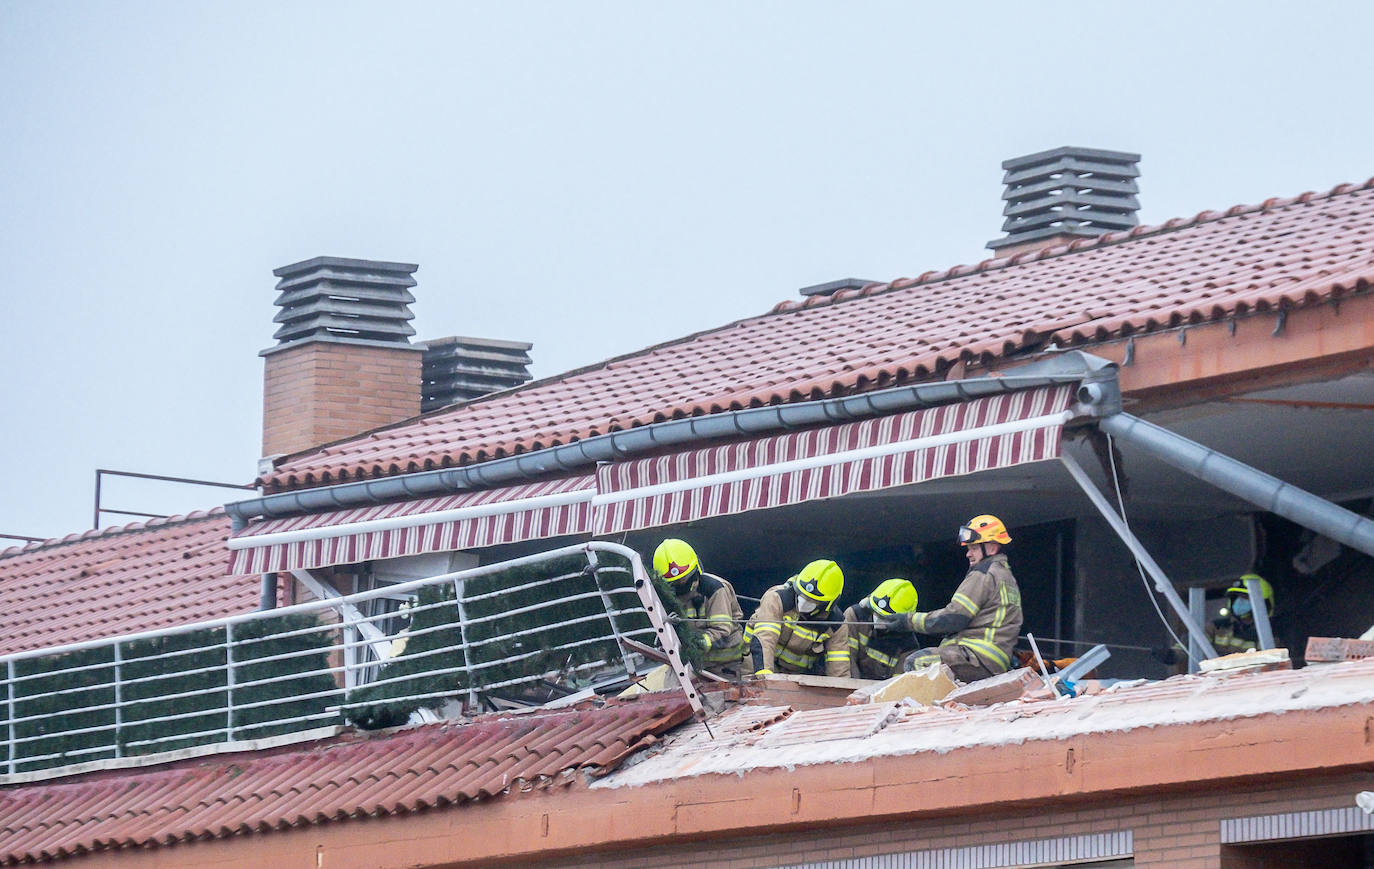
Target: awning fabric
[(774, 471), (981, 434), (429, 532)]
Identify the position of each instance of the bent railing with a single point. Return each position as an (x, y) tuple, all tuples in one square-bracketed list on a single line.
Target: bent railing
[(528, 629)]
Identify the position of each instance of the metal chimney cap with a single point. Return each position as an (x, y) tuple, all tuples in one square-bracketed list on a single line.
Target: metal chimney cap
[(346, 301), (366, 265), (1066, 193), (1070, 151)]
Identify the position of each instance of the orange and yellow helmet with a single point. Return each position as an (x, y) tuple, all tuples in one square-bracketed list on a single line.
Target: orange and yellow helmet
[(983, 529)]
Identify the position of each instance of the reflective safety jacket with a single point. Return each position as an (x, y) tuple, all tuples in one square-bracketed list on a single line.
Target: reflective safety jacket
[(1230, 637), (714, 606), (1226, 635), (779, 644), (874, 654), (984, 615)]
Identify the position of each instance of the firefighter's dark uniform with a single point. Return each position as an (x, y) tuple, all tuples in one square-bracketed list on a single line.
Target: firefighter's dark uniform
[(874, 654), (779, 644), (981, 623), (713, 606)]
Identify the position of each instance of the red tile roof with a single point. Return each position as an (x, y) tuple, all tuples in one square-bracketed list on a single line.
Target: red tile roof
[(125, 580), (357, 776), (758, 737), (1282, 253)]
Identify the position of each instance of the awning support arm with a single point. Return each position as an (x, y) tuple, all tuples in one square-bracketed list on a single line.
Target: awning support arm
[(352, 616), (1259, 608), (1264, 491), (1162, 583)]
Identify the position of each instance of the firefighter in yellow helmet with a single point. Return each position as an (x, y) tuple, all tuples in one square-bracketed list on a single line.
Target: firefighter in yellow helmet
[(1233, 630), (981, 622), (796, 628), (708, 600), (878, 654)]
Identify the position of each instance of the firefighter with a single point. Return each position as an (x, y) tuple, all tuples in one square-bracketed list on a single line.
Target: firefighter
[(708, 600), (878, 654), (981, 622), (796, 629), (1233, 630)]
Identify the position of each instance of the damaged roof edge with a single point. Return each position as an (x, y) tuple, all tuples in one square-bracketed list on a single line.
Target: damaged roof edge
[(1099, 395)]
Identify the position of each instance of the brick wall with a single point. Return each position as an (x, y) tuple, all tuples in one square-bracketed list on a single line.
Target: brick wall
[(1178, 830), (322, 391)]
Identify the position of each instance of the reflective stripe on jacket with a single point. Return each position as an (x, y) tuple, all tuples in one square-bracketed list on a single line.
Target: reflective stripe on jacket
[(714, 606), (986, 608), (874, 654), (780, 644)]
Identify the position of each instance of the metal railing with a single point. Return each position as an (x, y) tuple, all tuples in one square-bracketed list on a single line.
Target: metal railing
[(101, 473), (471, 633)]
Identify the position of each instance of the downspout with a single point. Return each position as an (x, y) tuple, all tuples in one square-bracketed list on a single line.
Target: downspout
[(1264, 491), (1061, 368)]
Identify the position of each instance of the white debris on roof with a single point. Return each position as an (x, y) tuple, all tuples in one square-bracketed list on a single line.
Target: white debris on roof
[(753, 737)]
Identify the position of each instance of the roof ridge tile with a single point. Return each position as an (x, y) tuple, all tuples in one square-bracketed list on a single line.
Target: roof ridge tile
[(1079, 244)]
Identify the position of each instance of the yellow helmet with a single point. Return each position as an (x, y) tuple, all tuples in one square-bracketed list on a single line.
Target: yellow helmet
[(1266, 590), (893, 596), (821, 581), (983, 529), (676, 561)]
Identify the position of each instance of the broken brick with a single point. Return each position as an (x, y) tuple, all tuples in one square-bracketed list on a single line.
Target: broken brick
[(1321, 650), (995, 689)]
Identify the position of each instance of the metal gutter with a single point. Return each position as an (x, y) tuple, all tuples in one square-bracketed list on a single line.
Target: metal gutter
[(1264, 491), (1099, 394)]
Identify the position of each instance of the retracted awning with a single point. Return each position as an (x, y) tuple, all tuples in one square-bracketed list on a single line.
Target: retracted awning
[(978, 435), (998, 431), (467, 520)]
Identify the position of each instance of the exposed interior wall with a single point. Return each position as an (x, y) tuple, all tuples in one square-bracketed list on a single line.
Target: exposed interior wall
[(1113, 604)]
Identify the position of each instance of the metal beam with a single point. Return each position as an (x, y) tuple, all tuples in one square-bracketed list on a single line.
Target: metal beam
[(1259, 609), (353, 617), (1264, 491), (1197, 605), (1162, 584)]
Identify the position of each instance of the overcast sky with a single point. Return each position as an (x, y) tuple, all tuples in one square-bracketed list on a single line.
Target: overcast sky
[(591, 177)]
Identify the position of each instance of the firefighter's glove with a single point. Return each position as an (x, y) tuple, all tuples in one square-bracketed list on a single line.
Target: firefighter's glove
[(894, 622), (763, 672)]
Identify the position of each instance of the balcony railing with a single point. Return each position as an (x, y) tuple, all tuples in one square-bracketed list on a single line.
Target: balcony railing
[(516, 629)]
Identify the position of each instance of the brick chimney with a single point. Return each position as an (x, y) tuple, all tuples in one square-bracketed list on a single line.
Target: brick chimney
[(1056, 196), (343, 362)]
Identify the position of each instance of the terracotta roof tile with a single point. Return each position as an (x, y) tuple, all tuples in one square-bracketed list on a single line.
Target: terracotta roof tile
[(359, 775), (1284, 252), (747, 738), (125, 580)]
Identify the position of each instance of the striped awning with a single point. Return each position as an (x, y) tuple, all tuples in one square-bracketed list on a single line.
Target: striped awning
[(982, 434), (467, 520)]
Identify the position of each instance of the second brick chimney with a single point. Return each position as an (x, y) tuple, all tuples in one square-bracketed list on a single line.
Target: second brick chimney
[(343, 362)]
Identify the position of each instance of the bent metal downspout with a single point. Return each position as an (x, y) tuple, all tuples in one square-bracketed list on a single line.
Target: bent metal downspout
[(1061, 368), (1239, 479)]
